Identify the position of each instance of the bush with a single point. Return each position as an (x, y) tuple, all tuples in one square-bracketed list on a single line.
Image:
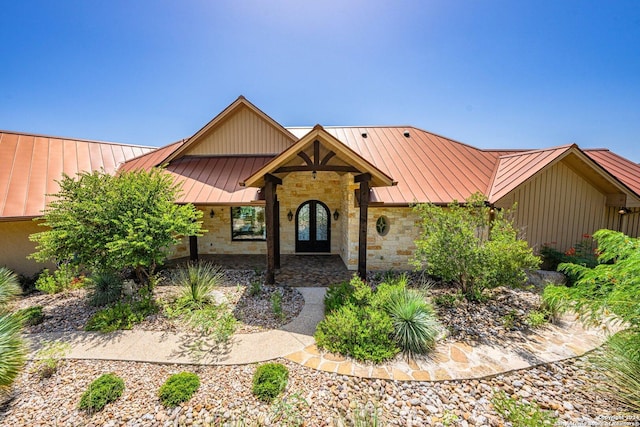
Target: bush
[(460, 245), (102, 391), (178, 389), (338, 295), (122, 315), (447, 300), (31, 316), (105, 289), (12, 347), (414, 325), (270, 380), (521, 414), (215, 321), (28, 283), (537, 318), (276, 304), (363, 333), (197, 280), (65, 278)]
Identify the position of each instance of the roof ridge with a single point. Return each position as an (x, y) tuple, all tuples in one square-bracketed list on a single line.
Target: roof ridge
[(12, 132), (540, 150)]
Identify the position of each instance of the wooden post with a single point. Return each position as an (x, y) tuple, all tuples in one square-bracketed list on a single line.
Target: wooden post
[(276, 215), (270, 184), (193, 248), (363, 179)]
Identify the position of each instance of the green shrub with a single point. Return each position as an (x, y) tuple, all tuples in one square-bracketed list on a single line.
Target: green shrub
[(12, 348), (65, 278), (270, 380), (460, 245), (178, 388), (363, 333), (198, 280), (28, 283), (447, 300), (255, 288), (620, 363), (382, 295), (31, 316), (102, 391), (105, 289), (338, 295), (122, 315), (415, 327), (215, 321), (521, 414), (537, 318)]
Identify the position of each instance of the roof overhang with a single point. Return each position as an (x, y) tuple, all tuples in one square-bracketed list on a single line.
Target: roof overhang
[(319, 151)]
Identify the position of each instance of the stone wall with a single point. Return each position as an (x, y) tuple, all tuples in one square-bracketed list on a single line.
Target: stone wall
[(384, 252)]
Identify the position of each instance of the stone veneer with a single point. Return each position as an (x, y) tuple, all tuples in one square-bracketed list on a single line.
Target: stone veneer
[(391, 251)]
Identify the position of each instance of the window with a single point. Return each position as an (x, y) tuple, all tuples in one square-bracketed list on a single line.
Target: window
[(382, 225), (247, 223)]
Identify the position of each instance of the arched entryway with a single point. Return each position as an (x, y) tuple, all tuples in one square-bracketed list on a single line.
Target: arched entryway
[(313, 227)]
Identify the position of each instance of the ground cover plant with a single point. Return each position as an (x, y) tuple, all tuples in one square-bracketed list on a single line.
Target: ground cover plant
[(31, 316), (178, 389), (105, 389), (269, 380), (521, 413), (122, 315), (12, 347), (611, 288), (375, 325), (471, 246)]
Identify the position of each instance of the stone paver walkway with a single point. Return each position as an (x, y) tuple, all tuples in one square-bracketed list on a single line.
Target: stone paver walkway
[(295, 342)]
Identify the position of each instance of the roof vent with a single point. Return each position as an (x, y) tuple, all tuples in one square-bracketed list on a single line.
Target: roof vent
[(406, 134), (364, 134)]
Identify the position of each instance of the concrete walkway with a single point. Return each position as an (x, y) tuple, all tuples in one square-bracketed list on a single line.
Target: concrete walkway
[(295, 342)]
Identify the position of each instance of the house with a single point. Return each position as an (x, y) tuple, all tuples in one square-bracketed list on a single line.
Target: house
[(268, 189)]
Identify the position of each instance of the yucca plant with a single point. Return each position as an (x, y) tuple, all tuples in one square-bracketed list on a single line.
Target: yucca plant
[(197, 279), (621, 365), (415, 327), (12, 347), (105, 289)]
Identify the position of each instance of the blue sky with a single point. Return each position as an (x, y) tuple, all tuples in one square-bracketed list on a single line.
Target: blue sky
[(490, 73)]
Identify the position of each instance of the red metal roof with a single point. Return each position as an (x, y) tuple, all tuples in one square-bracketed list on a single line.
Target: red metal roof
[(215, 180), (623, 169), (514, 169), (33, 163)]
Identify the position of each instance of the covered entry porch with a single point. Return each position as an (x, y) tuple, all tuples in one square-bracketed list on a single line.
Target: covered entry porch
[(318, 153)]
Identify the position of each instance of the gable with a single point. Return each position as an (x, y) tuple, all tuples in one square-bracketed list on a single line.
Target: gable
[(244, 133)]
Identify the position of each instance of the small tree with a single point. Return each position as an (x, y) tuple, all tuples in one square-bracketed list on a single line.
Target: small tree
[(460, 244), (111, 223)]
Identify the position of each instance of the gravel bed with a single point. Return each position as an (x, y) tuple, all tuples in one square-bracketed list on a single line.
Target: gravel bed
[(69, 311), (225, 397)]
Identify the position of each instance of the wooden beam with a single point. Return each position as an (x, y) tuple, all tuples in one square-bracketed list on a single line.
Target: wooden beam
[(316, 152), (362, 235), (362, 177), (272, 179), (319, 168), (328, 157), (193, 248), (306, 158), (270, 200)]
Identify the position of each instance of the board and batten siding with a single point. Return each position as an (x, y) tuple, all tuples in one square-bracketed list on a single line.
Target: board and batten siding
[(244, 133), (557, 207), (628, 223)]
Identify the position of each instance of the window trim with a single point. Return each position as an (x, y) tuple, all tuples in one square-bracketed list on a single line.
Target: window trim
[(252, 239)]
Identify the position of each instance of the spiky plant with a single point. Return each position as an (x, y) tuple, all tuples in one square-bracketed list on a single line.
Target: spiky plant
[(105, 289), (621, 365), (12, 347), (197, 280), (415, 327), (9, 286)]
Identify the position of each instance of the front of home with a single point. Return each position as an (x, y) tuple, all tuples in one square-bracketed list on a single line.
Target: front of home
[(267, 189)]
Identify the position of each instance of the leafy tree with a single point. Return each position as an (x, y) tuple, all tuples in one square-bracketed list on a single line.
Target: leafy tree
[(111, 223), (611, 287), (460, 244)]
